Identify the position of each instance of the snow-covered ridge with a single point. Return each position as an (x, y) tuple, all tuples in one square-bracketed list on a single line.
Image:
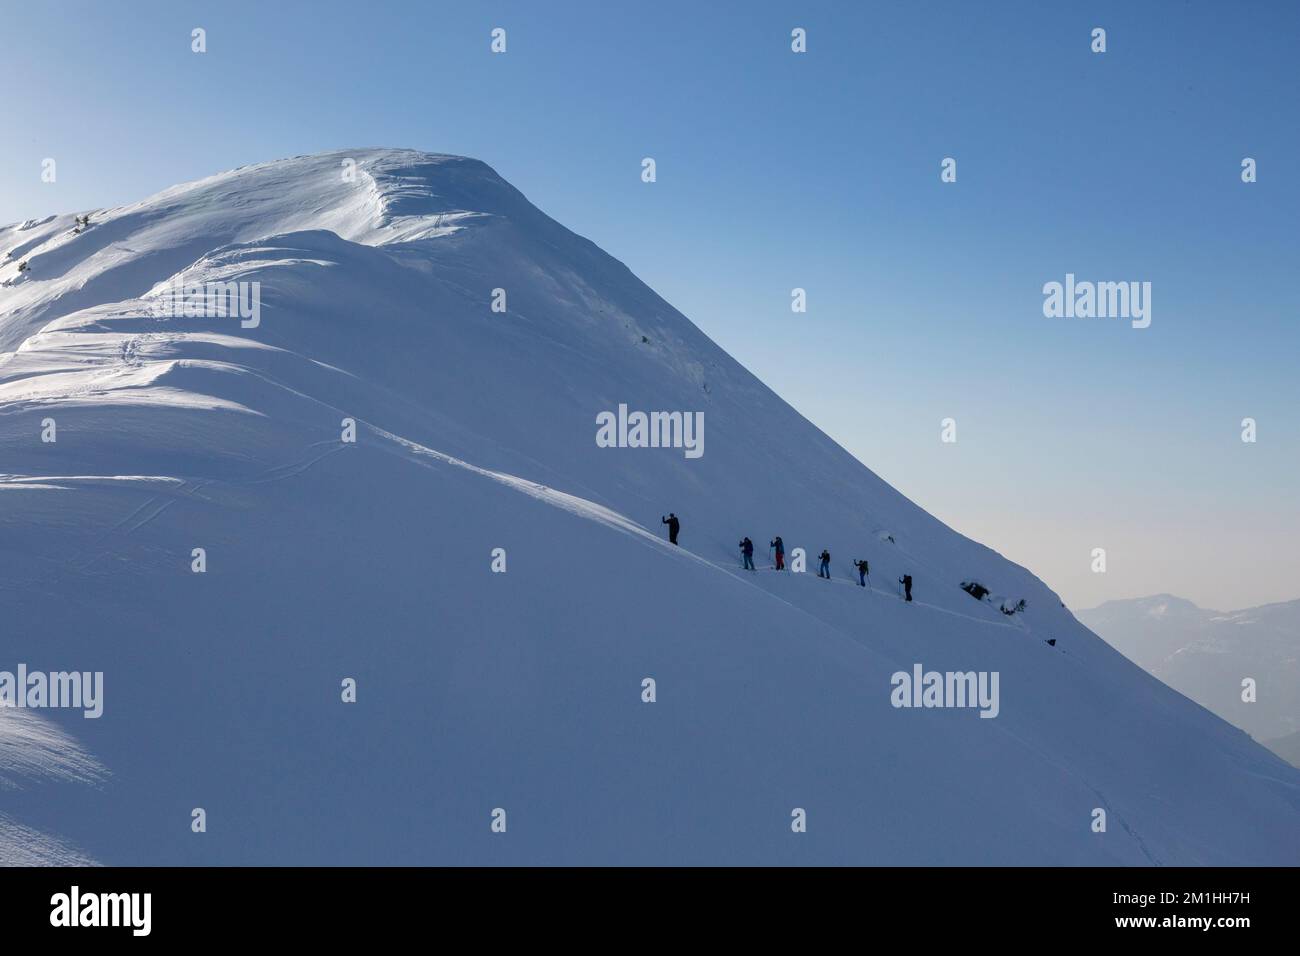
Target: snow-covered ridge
[(475, 432)]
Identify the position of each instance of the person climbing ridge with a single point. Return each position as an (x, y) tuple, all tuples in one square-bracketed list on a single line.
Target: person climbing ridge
[(747, 548), (780, 552), (673, 526), (862, 572), (825, 570), (906, 582)]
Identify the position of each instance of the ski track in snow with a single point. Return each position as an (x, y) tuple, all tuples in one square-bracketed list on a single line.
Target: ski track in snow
[(76, 764), (873, 591)]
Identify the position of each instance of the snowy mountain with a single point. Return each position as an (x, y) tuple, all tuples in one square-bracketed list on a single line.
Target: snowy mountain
[(1207, 654), (475, 430)]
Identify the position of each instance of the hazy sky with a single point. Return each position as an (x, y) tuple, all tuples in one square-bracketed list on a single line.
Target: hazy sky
[(821, 171)]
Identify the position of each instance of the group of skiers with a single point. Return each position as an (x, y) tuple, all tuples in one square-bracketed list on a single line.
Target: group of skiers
[(823, 568), (777, 547)]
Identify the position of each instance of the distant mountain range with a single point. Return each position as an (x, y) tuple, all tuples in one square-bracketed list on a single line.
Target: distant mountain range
[(1207, 654)]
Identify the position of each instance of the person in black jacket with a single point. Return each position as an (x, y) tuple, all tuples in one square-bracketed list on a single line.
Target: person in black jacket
[(862, 572), (673, 526), (825, 570), (747, 549), (906, 582)]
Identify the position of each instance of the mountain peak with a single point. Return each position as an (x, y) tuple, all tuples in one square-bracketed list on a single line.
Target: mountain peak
[(414, 413), (1153, 605), (372, 195)]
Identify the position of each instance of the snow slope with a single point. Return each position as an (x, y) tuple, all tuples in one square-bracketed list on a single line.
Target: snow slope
[(522, 690)]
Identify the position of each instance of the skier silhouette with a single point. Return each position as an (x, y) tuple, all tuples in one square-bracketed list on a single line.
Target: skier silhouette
[(780, 552), (862, 572), (747, 548), (906, 582), (673, 526), (825, 570)]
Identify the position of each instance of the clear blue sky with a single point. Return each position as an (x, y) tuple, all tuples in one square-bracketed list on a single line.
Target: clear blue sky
[(821, 170)]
